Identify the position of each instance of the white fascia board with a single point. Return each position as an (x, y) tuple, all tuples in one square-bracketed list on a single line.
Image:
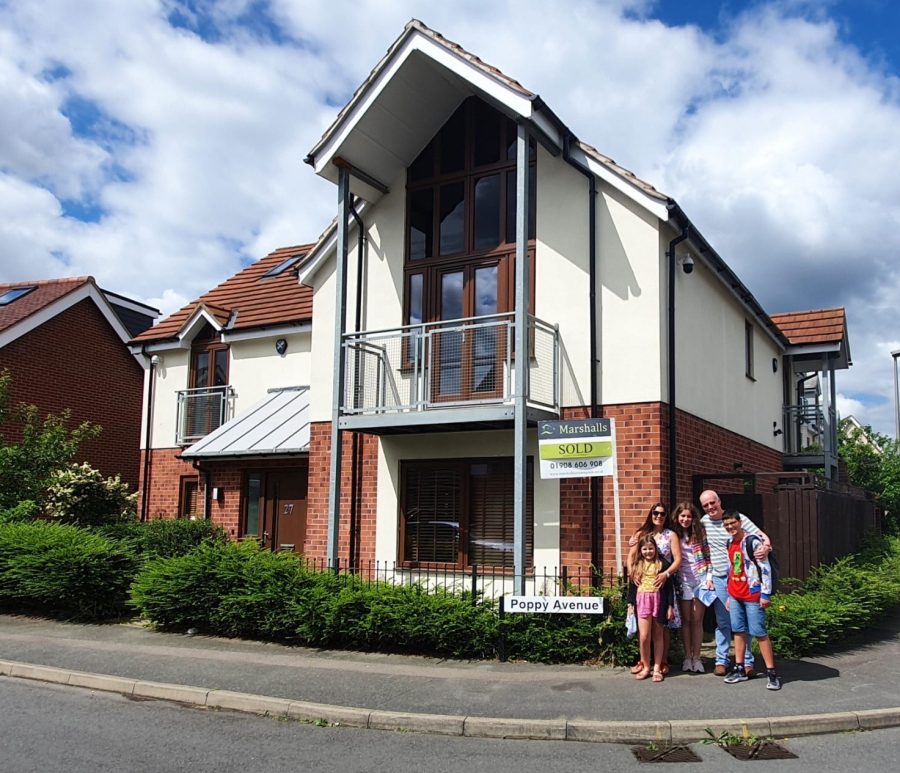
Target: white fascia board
[(518, 103), (266, 332), (319, 254), (802, 350), (161, 346), (604, 173), (87, 290), (196, 320), (127, 303)]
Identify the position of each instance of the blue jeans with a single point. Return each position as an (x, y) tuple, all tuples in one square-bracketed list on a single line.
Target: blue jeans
[(723, 626)]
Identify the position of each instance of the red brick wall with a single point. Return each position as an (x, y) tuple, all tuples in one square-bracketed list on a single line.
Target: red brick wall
[(643, 462), (166, 472), (317, 514), (165, 483), (75, 360)]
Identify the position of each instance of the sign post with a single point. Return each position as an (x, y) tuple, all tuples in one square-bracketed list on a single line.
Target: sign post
[(582, 448)]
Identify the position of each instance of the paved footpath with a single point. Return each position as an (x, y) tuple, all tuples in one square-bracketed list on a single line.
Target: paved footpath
[(856, 687)]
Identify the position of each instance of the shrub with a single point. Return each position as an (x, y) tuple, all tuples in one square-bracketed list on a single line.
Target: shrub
[(79, 495), (64, 570), (23, 512), (164, 537), (44, 447)]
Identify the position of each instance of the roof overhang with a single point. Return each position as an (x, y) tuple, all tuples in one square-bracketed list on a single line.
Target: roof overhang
[(277, 425), (407, 98), (835, 354)]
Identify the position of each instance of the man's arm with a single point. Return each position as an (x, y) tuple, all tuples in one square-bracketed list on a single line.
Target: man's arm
[(765, 545)]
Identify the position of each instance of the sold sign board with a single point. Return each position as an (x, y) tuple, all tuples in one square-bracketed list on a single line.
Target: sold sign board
[(576, 449)]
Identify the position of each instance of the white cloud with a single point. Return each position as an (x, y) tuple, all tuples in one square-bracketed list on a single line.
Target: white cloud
[(777, 138)]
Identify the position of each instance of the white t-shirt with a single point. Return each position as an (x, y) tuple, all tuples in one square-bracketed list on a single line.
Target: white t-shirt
[(718, 540)]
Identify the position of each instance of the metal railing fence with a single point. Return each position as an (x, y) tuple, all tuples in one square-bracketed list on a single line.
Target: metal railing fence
[(200, 411), (460, 362)]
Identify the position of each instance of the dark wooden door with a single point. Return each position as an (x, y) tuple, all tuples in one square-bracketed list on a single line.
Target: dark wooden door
[(284, 514)]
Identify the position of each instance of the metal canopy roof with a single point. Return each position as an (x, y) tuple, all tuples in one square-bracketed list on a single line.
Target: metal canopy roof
[(276, 425)]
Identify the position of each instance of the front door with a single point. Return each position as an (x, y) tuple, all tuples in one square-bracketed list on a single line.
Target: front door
[(467, 357), (283, 522)]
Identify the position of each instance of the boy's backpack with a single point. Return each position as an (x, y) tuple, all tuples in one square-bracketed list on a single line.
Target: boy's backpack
[(773, 560)]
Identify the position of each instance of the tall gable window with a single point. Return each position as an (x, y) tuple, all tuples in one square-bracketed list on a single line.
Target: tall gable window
[(461, 245), (203, 406)]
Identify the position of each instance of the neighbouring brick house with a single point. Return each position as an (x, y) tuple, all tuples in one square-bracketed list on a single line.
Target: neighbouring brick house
[(64, 341), (423, 290)]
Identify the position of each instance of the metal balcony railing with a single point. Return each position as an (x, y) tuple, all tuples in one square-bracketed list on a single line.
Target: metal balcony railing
[(200, 411), (805, 428), (457, 363)]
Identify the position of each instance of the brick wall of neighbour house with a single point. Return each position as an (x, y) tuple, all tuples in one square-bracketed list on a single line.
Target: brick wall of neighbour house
[(317, 513), (167, 472), (643, 466), (75, 360)]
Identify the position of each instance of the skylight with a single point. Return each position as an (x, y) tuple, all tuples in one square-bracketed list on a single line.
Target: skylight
[(13, 294), (283, 266)]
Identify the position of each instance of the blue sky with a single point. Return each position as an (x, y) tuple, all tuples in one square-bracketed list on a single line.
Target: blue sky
[(157, 144)]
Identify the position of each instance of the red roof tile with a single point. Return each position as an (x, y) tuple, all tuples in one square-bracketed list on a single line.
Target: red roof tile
[(818, 326), (252, 299), (45, 292)]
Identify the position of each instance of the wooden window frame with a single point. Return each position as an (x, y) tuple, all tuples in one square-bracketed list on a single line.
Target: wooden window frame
[(210, 343), (463, 466), (748, 350), (503, 253), (184, 484)]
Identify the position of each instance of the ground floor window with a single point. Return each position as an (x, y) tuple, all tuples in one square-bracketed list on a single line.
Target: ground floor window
[(460, 512), (189, 497)]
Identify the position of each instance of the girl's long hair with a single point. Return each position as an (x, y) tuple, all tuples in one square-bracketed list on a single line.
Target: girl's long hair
[(695, 533), (647, 526), (638, 563)]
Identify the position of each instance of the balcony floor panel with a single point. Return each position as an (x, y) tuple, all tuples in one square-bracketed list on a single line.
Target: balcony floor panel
[(443, 420)]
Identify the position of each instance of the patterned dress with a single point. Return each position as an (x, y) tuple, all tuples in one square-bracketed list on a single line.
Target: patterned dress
[(663, 540)]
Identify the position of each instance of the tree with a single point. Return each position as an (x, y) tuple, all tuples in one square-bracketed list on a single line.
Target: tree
[(45, 447), (873, 464)]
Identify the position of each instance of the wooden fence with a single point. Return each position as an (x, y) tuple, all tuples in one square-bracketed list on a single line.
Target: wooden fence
[(810, 521)]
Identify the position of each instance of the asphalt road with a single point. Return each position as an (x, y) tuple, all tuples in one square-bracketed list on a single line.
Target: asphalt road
[(47, 728)]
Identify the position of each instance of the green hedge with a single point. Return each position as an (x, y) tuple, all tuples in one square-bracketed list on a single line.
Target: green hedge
[(64, 570), (238, 589), (849, 595), (163, 537)]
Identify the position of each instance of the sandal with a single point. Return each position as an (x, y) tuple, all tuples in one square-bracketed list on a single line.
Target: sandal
[(643, 673), (658, 675), (637, 667), (664, 669)]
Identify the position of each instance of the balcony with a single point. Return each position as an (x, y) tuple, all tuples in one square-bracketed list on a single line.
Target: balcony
[(200, 411), (807, 435), (455, 372)]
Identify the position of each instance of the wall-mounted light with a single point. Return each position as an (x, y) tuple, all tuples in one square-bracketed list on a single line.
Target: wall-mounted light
[(776, 430), (774, 365)]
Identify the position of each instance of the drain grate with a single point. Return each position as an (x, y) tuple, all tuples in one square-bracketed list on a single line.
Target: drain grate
[(761, 751), (665, 754)]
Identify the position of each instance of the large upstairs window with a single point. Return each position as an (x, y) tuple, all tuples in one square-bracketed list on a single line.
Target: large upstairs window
[(461, 210), (460, 250)]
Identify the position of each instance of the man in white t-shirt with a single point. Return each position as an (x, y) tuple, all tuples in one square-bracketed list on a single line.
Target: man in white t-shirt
[(718, 540)]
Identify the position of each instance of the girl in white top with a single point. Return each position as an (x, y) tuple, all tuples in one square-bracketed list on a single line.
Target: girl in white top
[(695, 572)]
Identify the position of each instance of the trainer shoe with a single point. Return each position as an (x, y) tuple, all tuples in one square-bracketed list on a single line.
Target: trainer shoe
[(688, 665), (737, 675), (774, 681), (720, 669), (697, 665)]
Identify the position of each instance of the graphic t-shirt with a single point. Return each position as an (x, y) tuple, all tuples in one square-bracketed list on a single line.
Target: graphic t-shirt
[(739, 584)]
